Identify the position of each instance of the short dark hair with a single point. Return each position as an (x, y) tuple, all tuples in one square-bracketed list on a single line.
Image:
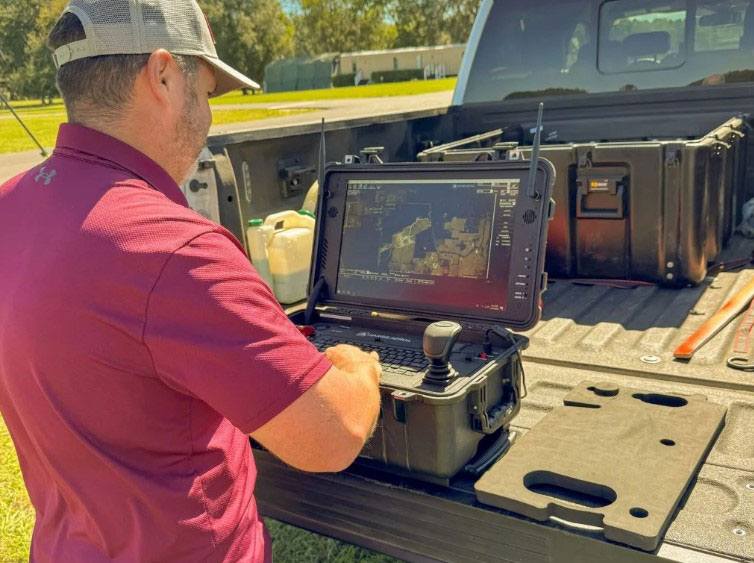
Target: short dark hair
[(99, 87)]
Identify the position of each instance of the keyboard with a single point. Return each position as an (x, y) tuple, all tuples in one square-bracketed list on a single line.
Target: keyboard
[(400, 361)]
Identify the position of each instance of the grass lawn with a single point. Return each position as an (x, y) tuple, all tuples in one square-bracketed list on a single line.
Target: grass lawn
[(44, 123), (16, 514), (45, 128), (291, 545), (369, 91)]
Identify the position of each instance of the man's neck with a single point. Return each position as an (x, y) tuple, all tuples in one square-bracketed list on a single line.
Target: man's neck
[(143, 141)]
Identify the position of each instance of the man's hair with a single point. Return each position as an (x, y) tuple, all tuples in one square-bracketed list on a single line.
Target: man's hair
[(99, 87)]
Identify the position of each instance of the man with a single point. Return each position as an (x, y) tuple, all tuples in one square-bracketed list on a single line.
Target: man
[(138, 347)]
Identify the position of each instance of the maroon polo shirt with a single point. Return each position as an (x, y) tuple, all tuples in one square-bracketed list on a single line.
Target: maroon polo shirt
[(138, 348)]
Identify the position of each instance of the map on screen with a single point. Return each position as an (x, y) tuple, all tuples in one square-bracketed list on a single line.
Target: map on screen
[(428, 241)]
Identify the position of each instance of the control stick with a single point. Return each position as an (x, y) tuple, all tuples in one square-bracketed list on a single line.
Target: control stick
[(438, 342)]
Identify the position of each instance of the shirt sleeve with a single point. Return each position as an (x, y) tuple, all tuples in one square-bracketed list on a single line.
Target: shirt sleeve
[(216, 332)]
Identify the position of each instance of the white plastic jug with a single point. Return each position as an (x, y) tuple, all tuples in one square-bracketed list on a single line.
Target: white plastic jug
[(259, 236), (289, 251)]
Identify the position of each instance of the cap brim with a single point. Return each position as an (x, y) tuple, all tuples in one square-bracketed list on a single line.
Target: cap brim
[(228, 78)]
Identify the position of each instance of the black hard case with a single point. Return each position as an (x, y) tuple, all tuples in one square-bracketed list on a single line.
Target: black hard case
[(431, 433), (656, 211), (428, 432)]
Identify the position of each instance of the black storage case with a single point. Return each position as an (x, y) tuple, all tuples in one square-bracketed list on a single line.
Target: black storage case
[(426, 431), (656, 211)]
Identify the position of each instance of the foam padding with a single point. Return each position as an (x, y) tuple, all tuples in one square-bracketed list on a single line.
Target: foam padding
[(612, 458)]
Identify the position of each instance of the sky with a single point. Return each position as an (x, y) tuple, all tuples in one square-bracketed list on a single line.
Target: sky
[(288, 5)]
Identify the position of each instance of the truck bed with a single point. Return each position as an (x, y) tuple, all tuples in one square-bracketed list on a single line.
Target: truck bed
[(588, 332)]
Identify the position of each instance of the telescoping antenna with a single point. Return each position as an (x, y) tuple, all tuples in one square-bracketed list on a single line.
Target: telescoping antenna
[(531, 189), (322, 162)]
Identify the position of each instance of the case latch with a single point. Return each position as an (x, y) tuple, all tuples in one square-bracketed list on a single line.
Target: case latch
[(600, 195), (372, 155), (291, 174), (399, 400), (584, 156), (673, 158), (367, 155)]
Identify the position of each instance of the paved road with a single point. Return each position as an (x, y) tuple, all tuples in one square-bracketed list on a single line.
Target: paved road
[(332, 110), (16, 162)]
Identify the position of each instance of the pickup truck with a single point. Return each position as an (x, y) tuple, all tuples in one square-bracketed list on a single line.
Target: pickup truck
[(690, 69)]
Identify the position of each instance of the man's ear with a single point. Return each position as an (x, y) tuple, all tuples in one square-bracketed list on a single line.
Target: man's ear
[(161, 78)]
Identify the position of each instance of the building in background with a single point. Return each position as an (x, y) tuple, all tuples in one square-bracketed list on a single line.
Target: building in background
[(367, 63), (300, 73), (363, 67)]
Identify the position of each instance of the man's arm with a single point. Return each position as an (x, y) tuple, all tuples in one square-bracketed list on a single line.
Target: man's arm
[(326, 428), (215, 332)]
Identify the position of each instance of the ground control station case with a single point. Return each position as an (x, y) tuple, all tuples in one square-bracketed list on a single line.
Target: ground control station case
[(400, 246)]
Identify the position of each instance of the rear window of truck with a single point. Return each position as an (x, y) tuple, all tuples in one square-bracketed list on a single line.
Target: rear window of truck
[(569, 47)]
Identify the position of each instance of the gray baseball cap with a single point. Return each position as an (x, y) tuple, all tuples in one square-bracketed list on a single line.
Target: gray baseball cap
[(134, 27)]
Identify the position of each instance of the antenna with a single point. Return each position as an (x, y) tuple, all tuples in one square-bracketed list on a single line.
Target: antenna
[(18, 118), (531, 189), (320, 284), (322, 158)]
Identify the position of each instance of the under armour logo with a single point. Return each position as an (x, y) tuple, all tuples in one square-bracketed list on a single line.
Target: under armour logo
[(47, 176)]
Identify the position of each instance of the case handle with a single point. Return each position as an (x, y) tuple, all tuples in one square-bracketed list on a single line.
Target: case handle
[(487, 420), (494, 452)]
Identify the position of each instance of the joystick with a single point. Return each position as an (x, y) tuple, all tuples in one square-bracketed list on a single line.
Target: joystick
[(438, 342)]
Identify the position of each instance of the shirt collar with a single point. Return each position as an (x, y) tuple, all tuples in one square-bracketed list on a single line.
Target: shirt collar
[(80, 139)]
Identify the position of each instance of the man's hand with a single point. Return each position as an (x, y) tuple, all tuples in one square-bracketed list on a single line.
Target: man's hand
[(349, 359)]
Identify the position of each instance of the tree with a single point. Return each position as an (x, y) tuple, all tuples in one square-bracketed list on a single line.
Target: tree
[(18, 21), (36, 77), (335, 26), (250, 34), (432, 22), (460, 19)]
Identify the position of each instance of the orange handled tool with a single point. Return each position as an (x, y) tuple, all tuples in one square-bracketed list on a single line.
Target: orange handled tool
[(719, 320)]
